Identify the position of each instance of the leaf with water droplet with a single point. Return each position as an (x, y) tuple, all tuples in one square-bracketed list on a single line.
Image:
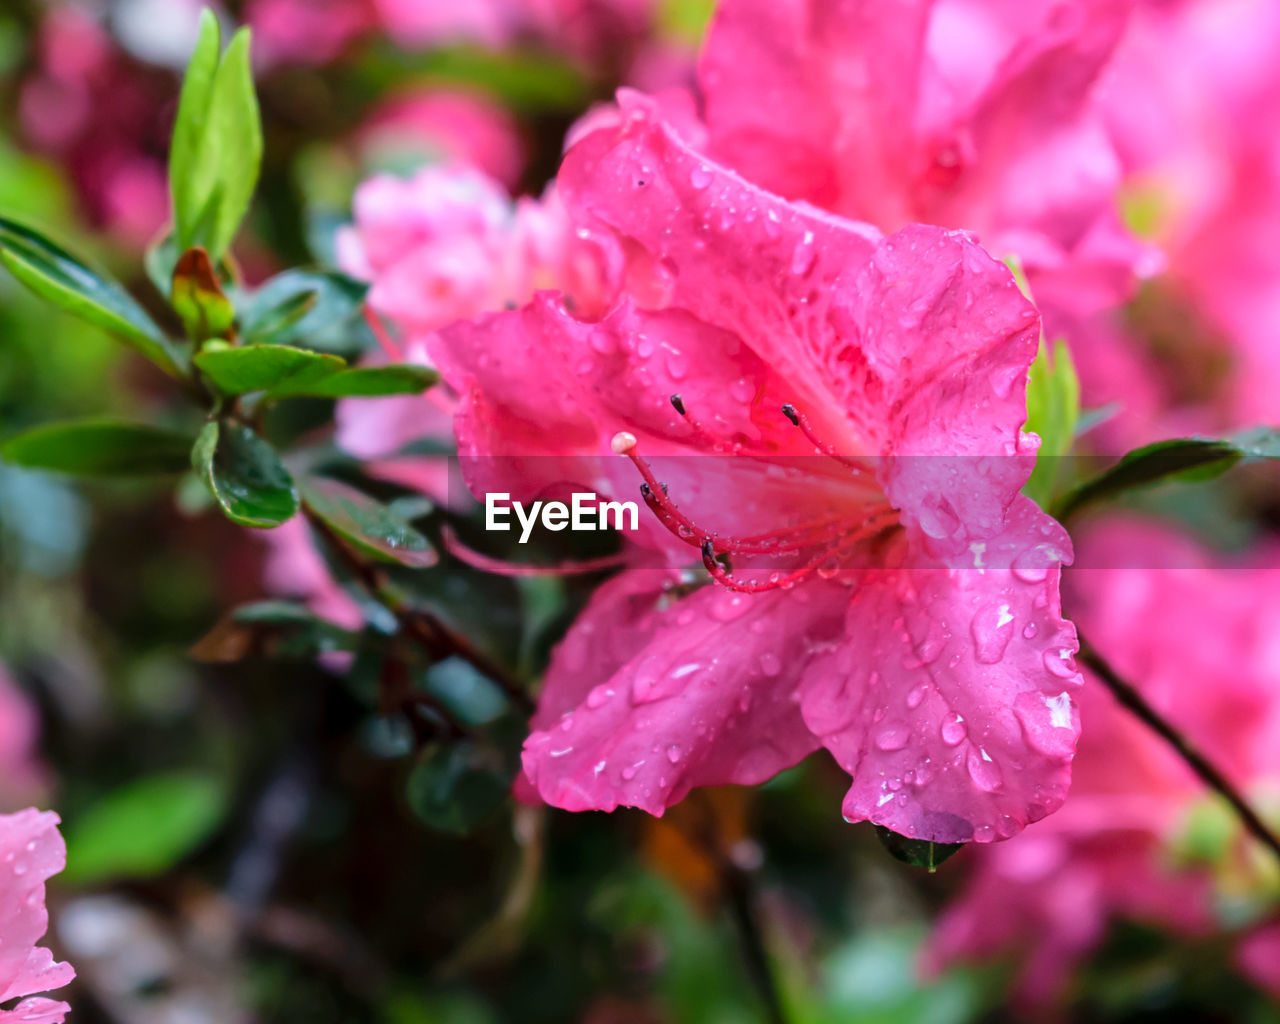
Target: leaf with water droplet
[(919, 853), (245, 476)]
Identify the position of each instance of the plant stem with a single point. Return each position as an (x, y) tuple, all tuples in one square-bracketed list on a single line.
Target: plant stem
[(739, 893), (434, 636), (1130, 698)]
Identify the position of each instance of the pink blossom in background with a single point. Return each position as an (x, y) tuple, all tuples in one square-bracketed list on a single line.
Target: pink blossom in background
[(306, 31), (1198, 137), (1198, 638), (294, 568), (31, 850), (446, 244), (447, 127), (22, 776), (976, 116), (115, 154), (929, 656)]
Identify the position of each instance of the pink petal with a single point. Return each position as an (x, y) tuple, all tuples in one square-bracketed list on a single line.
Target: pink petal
[(36, 1011), (950, 699), (815, 99), (31, 850), (704, 698)]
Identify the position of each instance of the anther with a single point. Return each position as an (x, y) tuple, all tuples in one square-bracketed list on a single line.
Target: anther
[(789, 411), (677, 403)]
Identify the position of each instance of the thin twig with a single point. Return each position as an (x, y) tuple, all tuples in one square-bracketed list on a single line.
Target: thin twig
[(433, 635), (1130, 698), (739, 891)]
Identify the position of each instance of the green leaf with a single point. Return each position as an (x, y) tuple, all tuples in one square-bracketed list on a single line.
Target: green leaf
[(237, 371), (277, 321), (216, 154), (244, 475), (190, 177), (364, 382), (143, 828), (1053, 409), (329, 324), (1191, 459), (99, 447), (58, 277), (919, 853), (456, 786), (367, 524)]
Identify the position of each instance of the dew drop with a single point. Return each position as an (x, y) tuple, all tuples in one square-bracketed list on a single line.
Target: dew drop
[(954, 731), (893, 736), (992, 628), (984, 771)]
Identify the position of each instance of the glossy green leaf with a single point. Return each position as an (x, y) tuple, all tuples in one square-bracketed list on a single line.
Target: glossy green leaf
[(919, 853), (1187, 459), (99, 447), (237, 371), (455, 787), (216, 154), (331, 323), (190, 176), (364, 382), (58, 277), (143, 828), (277, 321), (244, 475), (367, 524), (1053, 409)]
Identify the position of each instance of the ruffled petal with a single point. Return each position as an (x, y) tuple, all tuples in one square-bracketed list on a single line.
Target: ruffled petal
[(706, 700), (950, 698)]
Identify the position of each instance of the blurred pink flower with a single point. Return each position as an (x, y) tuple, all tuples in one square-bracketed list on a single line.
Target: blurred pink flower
[(22, 776), (1199, 137), (1198, 638), (446, 244), (30, 851), (912, 626), (114, 152), (977, 116), (447, 127), (295, 569), (306, 31)]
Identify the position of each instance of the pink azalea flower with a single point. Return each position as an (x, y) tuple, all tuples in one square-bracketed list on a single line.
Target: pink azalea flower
[(22, 776), (294, 568), (1259, 957), (1197, 136), (1198, 639), (306, 31), (114, 153), (447, 127), (446, 244), (30, 851), (912, 626), (975, 116)]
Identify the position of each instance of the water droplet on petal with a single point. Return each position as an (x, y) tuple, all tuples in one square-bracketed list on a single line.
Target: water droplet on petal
[(991, 627), (893, 736), (985, 772), (805, 254), (700, 177), (769, 664), (673, 754), (954, 731), (1060, 663), (916, 696)]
